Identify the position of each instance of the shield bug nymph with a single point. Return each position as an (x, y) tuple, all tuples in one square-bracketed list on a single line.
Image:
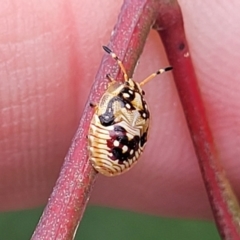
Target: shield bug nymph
[(119, 127)]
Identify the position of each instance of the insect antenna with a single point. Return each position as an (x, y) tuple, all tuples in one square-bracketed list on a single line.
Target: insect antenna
[(115, 57), (153, 75)]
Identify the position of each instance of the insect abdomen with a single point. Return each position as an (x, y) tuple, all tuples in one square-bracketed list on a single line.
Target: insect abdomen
[(114, 149)]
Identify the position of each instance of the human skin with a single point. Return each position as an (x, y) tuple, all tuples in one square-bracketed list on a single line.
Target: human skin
[(50, 52)]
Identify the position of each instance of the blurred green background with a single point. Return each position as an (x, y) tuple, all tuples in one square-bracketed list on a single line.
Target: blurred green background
[(110, 224)]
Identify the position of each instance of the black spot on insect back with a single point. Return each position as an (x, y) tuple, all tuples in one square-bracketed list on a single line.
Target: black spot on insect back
[(107, 119), (143, 139), (121, 147), (119, 129), (117, 154), (127, 94)]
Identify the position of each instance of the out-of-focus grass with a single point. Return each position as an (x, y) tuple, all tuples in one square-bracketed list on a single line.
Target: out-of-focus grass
[(109, 224)]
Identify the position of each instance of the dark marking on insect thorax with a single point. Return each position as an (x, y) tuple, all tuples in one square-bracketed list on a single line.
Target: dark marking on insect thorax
[(107, 118), (127, 94)]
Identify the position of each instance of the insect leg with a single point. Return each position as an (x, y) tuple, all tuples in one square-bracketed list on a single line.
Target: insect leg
[(110, 78)]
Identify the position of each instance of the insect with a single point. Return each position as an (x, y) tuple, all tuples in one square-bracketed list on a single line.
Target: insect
[(119, 127)]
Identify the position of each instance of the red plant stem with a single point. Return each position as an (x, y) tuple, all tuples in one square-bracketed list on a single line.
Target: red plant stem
[(224, 204), (70, 195), (69, 198)]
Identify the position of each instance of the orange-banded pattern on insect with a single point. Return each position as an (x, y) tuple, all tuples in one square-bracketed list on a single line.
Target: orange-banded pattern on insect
[(119, 127)]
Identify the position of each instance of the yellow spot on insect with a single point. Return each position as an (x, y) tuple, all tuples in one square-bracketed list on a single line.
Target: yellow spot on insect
[(116, 143), (124, 148), (128, 106), (126, 95)]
